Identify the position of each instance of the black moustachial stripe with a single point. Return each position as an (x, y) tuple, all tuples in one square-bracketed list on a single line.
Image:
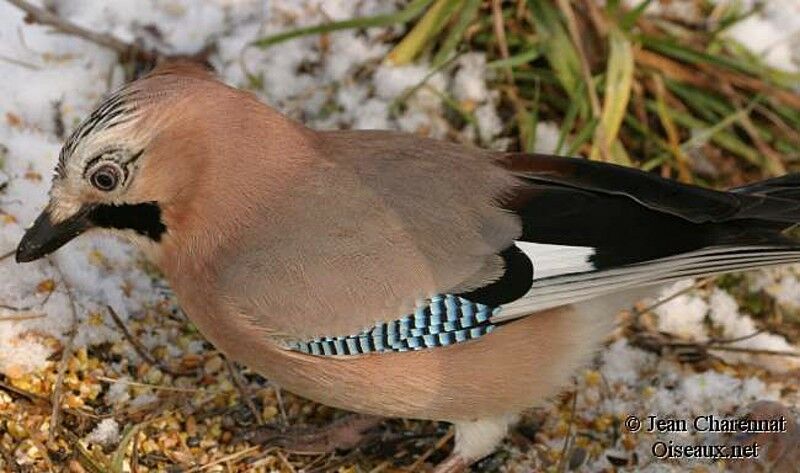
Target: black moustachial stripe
[(144, 219)]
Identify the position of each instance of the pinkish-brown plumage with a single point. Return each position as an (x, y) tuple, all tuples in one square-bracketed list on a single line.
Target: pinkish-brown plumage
[(273, 234)]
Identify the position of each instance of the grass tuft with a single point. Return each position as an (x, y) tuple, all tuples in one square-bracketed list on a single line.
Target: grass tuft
[(650, 91)]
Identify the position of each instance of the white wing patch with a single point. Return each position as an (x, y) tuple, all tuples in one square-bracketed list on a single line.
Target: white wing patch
[(555, 260), (576, 280)]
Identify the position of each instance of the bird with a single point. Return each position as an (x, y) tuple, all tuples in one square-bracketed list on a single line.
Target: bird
[(387, 273)]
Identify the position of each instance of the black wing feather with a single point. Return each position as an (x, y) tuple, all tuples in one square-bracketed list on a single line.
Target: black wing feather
[(631, 216), (636, 221)]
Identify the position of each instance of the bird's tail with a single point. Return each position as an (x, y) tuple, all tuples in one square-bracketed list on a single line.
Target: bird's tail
[(773, 200), (651, 240)]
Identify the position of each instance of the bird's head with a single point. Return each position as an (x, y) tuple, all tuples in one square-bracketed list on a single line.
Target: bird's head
[(95, 181), (163, 159), (106, 174)]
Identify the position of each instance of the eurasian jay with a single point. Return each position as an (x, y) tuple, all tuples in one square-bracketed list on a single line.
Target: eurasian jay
[(387, 273)]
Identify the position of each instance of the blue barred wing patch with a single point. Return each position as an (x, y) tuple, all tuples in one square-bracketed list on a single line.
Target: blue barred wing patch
[(440, 321)]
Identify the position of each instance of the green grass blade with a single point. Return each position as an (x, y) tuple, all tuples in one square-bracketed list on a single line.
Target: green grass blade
[(530, 122), (705, 135), (465, 18), (400, 101), (567, 125), (582, 137), (420, 36), (619, 79), (520, 59), (669, 47), (557, 46), (722, 138), (411, 11), (118, 458), (706, 104), (628, 20)]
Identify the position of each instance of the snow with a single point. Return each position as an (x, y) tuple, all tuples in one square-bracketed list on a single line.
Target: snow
[(773, 33), (118, 393), (690, 316), (683, 315), (106, 433), (547, 135), (470, 80), (489, 122), (735, 325), (623, 363), (391, 81)]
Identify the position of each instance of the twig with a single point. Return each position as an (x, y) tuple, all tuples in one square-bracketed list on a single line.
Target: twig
[(40, 446), (135, 454), (285, 461), (333, 463), (342, 434), (262, 459), (55, 417), (563, 463), (702, 349), (232, 456), (43, 401), (697, 285), (26, 308), (140, 349), (17, 318), (5, 256), (13, 308), (498, 26), (17, 62), (500, 34), (754, 351), (439, 444), (145, 385), (31, 397), (281, 406), (244, 392), (44, 17), (597, 18), (308, 467), (381, 466), (721, 341)]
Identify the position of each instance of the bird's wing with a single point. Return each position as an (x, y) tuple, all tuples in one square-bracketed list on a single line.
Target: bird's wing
[(366, 226), (613, 228), (389, 241)]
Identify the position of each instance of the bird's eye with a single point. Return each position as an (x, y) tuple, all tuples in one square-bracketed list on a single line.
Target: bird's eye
[(106, 177)]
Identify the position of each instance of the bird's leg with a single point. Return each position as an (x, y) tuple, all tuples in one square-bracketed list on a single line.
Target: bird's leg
[(343, 434), (475, 440)]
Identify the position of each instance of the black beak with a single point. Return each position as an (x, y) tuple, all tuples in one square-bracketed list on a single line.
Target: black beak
[(45, 237)]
